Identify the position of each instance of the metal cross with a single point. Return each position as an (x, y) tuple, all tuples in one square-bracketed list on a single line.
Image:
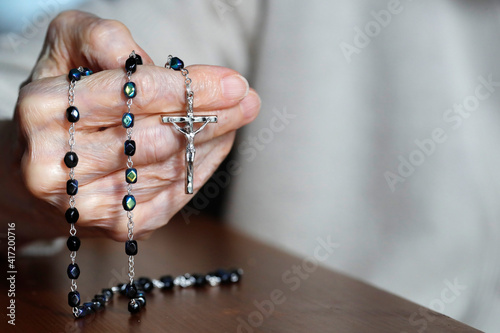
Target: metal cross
[(189, 132)]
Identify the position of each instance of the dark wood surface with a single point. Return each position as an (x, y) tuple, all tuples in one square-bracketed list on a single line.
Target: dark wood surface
[(325, 301)]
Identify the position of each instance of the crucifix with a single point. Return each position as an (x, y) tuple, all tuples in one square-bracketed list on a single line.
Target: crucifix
[(189, 132), (189, 120)]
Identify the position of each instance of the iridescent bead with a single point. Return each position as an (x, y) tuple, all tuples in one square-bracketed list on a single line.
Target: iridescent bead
[(71, 159), (74, 74), (90, 307), (130, 90), (73, 243), (131, 176), (225, 276), (96, 305), (129, 147), (131, 247), (122, 288), (73, 298), (86, 71), (129, 202), (73, 271), (128, 120), (72, 215), (72, 187), (176, 64), (134, 306), (72, 114)]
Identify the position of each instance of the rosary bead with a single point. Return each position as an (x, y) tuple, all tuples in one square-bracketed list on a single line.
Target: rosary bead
[(72, 114), (131, 247), (131, 290), (176, 64), (130, 89), (128, 120), (73, 243), (131, 176), (100, 298), (122, 288), (141, 301), (145, 284), (72, 215), (71, 159), (236, 274), (225, 276), (131, 64), (96, 305), (90, 307), (134, 306), (73, 271), (129, 202), (199, 280), (168, 282), (81, 311), (86, 71), (72, 187), (138, 59), (129, 147), (74, 74), (73, 298), (108, 294)]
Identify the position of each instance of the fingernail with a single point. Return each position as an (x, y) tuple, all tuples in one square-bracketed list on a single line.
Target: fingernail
[(234, 87), (250, 106)]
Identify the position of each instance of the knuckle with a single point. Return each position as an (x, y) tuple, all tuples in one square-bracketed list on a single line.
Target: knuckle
[(101, 32)]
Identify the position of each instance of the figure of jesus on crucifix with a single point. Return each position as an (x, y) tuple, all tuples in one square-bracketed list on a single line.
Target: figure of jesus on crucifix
[(189, 132)]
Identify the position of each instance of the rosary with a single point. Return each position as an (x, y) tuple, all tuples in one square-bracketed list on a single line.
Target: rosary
[(135, 290)]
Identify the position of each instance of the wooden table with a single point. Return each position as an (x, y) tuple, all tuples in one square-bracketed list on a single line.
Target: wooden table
[(270, 297)]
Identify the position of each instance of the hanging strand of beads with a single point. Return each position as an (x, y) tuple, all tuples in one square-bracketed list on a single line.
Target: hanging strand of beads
[(129, 202), (72, 215)]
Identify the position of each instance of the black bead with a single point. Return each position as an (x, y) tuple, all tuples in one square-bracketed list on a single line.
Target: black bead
[(71, 159), (145, 284), (138, 59), (168, 282), (141, 300), (225, 276), (100, 298), (73, 298), (131, 247), (72, 187), (131, 65), (82, 311), (73, 243), (72, 215), (236, 275), (72, 114), (90, 307), (86, 71), (74, 74), (73, 271), (96, 305), (199, 280), (131, 290), (129, 147), (176, 64), (122, 289), (134, 306), (107, 293)]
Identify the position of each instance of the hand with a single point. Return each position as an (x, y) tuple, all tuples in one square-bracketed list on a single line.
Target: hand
[(80, 39)]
